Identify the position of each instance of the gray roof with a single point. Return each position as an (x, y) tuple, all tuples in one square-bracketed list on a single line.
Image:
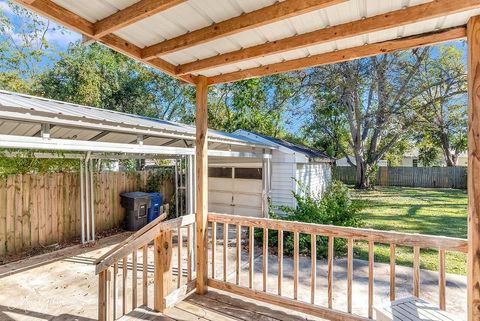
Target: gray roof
[(299, 148), (23, 115)]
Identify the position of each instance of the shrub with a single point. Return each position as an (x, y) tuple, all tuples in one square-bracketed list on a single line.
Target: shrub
[(334, 207)]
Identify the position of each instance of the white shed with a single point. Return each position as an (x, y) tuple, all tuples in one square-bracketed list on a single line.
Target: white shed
[(242, 187)]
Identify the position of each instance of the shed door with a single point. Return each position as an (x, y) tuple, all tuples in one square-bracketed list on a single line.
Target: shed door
[(236, 191)]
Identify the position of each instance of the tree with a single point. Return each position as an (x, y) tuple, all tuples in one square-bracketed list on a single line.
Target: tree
[(24, 48), (442, 105), (97, 76), (258, 105), (365, 106)]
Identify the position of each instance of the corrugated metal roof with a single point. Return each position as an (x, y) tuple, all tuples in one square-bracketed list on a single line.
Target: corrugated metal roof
[(295, 147), (23, 114), (196, 14)]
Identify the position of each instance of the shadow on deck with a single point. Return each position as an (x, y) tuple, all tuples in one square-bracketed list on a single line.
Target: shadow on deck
[(216, 306)]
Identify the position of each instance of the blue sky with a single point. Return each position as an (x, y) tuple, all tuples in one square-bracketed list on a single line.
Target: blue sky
[(55, 37), (60, 38)]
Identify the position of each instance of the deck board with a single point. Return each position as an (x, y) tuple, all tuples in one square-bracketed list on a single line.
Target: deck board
[(215, 306)]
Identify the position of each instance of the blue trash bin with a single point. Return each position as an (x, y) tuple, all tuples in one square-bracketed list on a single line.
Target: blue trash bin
[(154, 210)]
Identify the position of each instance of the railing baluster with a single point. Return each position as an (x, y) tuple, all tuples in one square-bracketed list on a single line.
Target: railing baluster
[(441, 279), (179, 257), (134, 279), (102, 296), (189, 258), (238, 231), (313, 272), (145, 274), (214, 243), (349, 274), (115, 290), (124, 285), (251, 257), (108, 294), (295, 265), (330, 271), (265, 259), (416, 271), (371, 260), (280, 261), (392, 271), (225, 251)]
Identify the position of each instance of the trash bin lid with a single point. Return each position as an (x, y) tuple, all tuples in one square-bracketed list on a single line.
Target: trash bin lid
[(135, 195)]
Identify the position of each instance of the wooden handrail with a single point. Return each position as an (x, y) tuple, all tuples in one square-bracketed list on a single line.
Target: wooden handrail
[(132, 237), (350, 234), (143, 239), (377, 236), (108, 268)]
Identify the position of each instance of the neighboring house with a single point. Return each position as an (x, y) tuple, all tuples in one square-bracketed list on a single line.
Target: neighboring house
[(290, 163), (411, 159), (343, 162)]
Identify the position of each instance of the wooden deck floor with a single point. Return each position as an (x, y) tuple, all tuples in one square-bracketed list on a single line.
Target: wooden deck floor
[(217, 306)]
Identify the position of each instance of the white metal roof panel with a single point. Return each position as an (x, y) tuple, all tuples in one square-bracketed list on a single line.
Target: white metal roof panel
[(196, 14), (62, 113)]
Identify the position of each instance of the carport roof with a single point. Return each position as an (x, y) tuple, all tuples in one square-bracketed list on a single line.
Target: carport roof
[(23, 115)]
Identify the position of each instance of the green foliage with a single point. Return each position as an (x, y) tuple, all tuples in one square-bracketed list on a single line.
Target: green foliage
[(442, 106), (428, 152), (158, 176), (24, 48), (97, 76), (334, 207), (25, 162), (257, 105)]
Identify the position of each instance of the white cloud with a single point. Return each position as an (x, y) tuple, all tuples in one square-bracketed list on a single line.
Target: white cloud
[(4, 7)]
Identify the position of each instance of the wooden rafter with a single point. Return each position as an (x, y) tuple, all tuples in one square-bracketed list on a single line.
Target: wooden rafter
[(73, 21), (429, 10), (136, 12), (254, 19), (344, 55)]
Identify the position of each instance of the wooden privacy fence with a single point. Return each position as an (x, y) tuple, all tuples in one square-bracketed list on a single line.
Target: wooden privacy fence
[(433, 177), (44, 209)]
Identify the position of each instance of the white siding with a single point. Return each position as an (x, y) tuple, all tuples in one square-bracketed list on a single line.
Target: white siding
[(283, 174), (314, 177)]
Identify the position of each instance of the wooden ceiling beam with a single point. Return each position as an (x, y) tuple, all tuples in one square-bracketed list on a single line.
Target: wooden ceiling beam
[(81, 25), (422, 12), (254, 19), (134, 13), (343, 55)]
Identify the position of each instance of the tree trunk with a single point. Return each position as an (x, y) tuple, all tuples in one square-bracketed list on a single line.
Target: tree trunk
[(363, 179), (450, 158)]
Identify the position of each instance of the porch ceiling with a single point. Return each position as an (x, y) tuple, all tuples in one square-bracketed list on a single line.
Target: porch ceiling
[(229, 40)]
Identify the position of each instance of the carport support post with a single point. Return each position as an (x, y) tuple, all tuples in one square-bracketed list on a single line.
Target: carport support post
[(473, 176), (201, 152)]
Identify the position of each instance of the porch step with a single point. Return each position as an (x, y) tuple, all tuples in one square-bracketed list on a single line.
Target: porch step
[(411, 309)]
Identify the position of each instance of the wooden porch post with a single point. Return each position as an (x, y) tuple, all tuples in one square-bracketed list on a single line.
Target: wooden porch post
[(473, 276), (201, 149)]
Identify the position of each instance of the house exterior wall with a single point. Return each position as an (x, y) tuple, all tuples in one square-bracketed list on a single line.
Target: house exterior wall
[(407, 161)]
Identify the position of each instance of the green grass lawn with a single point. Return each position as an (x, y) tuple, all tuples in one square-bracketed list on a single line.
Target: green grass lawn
[(416, 210)]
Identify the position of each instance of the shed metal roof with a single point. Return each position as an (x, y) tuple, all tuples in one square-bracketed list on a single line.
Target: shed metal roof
[(295, 147)]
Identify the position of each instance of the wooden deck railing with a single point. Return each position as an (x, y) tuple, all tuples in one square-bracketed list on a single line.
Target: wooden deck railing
[(113, 268), (416, 241)]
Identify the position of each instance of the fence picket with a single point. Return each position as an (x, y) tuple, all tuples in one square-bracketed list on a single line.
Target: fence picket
[(43, 209)]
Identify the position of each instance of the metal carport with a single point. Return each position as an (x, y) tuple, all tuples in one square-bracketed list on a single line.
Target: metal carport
[(58, 129)]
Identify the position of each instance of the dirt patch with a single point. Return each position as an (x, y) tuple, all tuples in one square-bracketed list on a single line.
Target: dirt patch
[(32, 252)]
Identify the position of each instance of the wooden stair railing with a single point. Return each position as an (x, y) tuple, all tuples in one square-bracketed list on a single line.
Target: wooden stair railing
[(327, 311), (114, 266)]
